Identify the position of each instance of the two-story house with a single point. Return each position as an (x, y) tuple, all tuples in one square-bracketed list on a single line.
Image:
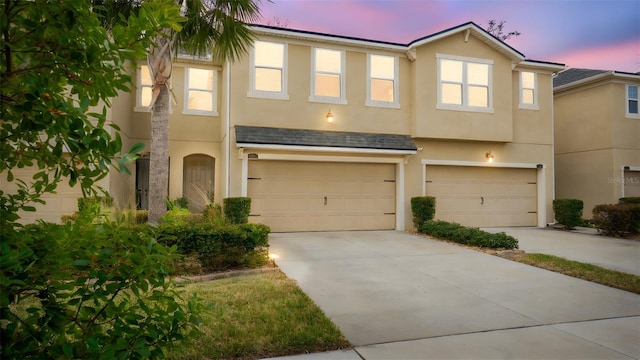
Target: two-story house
[(597, 136), (328, 132)]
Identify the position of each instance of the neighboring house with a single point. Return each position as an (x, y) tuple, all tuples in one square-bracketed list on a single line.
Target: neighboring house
[(597, 136), (326, 132)]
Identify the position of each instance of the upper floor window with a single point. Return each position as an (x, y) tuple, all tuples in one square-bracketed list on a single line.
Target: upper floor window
[(143, 89), (328, 80), (632, 101), (268, 70), (383, 81), (200, 92), (464, 84), (528, 90)]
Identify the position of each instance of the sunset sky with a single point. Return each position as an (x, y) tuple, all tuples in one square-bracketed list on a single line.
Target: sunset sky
[(593, 34)]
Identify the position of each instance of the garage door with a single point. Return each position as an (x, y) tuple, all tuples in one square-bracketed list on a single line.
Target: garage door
[(63, 202), (484, 197), (632, 183), (318, 196)]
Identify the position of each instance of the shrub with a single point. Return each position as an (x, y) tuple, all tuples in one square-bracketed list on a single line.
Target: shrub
[(237, 209), (175, 216), (86, 290), (423, 208), (468, 236), (568, 212), (218, 246), (629, 200), (618, 220)]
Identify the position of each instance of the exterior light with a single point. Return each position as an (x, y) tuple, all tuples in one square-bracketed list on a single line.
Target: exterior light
[(329, 117), (273, 256), (489, 157)]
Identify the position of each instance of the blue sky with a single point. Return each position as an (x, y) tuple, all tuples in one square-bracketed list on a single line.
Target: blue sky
[(594, 34)]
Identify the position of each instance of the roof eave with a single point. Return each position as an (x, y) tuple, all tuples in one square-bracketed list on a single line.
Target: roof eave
[(257, 146)]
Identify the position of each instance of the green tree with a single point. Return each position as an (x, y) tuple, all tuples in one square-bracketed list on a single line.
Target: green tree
[(84, 289), (216, 27)]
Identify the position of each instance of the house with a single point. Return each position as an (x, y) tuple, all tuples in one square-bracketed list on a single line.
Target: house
[(597, 136), (328, 132)]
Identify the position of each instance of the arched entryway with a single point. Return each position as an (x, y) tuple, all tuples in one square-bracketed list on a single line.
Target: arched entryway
[(198, 180)]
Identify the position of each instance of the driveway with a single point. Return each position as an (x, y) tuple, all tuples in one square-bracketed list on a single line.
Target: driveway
[(399, 296), (583, 244)]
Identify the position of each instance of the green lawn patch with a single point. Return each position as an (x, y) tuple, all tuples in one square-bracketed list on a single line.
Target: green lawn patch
[(597, 274), (257, 316)]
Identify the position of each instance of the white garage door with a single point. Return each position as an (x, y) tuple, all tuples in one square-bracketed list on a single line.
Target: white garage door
[(318, 196), (631, 183), (484, 197)]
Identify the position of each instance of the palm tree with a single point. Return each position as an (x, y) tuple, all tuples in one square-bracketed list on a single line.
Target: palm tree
[(216, 27)]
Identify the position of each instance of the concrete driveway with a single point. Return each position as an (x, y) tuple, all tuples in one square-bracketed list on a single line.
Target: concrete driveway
[(582, 244), (399, 296)]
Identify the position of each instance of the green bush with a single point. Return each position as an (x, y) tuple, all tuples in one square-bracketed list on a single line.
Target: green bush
[(468, 236), (568, 212), (423, 208), (237, 209), (629, 200), (89, 290), (218, 246), (618, 219)]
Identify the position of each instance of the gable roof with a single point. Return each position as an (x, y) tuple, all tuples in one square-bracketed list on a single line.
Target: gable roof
[(250, 136), (575, 77), (470, 27)]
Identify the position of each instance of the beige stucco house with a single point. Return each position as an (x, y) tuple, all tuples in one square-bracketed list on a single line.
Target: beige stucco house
[(597, 136), (327, 132)]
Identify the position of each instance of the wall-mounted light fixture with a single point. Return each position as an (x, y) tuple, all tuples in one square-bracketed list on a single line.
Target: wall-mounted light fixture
[(329, 116), (489, 157)]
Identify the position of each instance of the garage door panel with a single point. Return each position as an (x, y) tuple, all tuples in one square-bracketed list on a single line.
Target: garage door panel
[(484, 197), (632, 183), (290, 196)]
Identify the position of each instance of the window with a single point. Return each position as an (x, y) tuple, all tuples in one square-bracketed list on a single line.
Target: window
[(200, 92), (268, 70), (464, 84), (632, 101), (327, 80), (144, 85), (383, 84), (528, 93)]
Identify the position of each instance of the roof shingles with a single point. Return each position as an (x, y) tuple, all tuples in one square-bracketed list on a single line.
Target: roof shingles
[(319, 138)]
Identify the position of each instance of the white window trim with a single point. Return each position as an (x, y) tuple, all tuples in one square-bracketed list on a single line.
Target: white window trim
[(465, 84), (626, 102), (214, 94), (395, 104), (533, 106), (139, 107), (329, 99), (282, 95)]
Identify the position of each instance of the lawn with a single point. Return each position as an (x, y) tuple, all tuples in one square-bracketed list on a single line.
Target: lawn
[(256, 316), (597, 274)]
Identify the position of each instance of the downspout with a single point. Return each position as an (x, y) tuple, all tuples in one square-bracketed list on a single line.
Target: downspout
[(227, 142), (553, 150)]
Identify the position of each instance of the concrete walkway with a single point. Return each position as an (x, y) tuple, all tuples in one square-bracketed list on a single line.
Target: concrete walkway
[(400, 296), (582, 244)]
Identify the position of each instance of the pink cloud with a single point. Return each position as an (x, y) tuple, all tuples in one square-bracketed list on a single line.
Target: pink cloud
[(620, 57)]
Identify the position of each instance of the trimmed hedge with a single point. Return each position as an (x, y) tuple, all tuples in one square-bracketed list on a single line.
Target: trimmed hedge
[(468, 236), (423, 208), (629, 200), (568, 212), (218, 247), (236, 209), (618, 220)]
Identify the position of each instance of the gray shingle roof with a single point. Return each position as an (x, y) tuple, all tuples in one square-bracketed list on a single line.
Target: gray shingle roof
[(340, 139), (572, 75)]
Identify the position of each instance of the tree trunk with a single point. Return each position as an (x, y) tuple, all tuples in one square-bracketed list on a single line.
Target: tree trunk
[(159, 157)]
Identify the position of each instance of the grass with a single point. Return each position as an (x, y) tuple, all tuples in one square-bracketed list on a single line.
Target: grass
[(257, 316), (597, 274)]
